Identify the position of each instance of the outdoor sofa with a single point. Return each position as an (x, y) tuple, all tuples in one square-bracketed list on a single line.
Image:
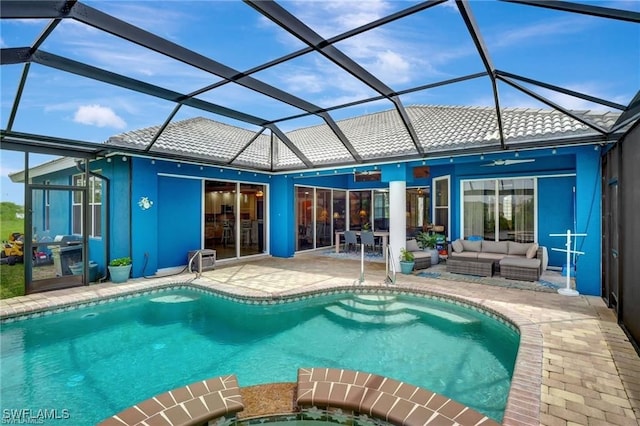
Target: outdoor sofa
[(422, 258), (516, 261)]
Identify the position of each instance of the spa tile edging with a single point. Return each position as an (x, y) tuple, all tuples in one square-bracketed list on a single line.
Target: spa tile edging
[(396, 402), (194, 404)]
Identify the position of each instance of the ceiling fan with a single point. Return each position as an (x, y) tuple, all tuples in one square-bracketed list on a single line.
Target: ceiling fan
[(509, 162)]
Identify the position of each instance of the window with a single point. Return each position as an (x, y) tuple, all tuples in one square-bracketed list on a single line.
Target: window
[(441, 204), (499, 209), (95, 206)]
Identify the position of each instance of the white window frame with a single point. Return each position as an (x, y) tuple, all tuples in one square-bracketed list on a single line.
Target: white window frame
[(434, 199), (91, 205), (496, 179)]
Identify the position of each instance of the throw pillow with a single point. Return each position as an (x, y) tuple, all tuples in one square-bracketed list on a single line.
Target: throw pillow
[(532, 251), (518, 249), (412, 245), (472, 245), (457, 246)]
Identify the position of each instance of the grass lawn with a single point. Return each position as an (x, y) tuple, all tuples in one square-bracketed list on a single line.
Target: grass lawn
[(11, 277), (11, 280)]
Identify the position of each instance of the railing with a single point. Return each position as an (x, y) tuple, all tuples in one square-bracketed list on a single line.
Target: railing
[(390, 267), (197, 255)]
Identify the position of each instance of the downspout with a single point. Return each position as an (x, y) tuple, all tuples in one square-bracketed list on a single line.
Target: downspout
[(107, 221)]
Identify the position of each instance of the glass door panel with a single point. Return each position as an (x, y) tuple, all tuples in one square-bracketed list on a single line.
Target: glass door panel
[(56, 255), (359, 210), (515, 210), (339, 210), (220, 218), (479, 209), (251, 219), (304, 218), (380, 210), (418, 217), (323, 215)]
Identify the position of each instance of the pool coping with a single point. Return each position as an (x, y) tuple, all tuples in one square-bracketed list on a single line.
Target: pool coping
[(523, 401)]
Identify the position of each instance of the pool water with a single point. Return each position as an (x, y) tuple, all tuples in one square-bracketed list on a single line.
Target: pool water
[(95, 361)]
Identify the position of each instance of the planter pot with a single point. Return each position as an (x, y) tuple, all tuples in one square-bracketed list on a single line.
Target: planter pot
[(119, 274), (406, 267), (76, 269), (435, 256)]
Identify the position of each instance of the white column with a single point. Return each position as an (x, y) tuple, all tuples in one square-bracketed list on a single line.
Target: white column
[(397, 219)]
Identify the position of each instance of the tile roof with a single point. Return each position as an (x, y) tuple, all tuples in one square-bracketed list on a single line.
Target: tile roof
[(374, 136)]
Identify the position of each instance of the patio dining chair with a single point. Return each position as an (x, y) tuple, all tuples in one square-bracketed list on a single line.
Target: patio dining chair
[(350, 239), (368, 240)]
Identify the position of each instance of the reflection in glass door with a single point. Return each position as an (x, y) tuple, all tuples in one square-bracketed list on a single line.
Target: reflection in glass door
[(304, 218), (323, 215), (251, 226), (418, 217), (56, 255), (220, 218)]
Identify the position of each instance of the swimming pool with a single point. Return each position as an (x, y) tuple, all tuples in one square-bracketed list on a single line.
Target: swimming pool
[(97, 360)]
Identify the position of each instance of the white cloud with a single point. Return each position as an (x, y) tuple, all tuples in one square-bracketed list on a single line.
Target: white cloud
[(391, 66), (97, 115)]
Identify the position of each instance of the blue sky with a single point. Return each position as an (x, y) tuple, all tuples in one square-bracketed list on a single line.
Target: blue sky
[(596, 56)]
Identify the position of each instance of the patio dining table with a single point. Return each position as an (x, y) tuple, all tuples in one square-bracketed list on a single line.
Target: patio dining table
[(382, 234)]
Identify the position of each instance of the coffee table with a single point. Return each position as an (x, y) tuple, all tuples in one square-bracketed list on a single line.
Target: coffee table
[(469, 266)]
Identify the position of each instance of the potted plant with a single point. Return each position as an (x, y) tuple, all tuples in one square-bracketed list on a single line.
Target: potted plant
[(407, 261), (119, 269), (428, 242), (76, 268)]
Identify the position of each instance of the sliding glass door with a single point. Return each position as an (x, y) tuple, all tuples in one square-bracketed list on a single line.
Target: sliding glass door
[(499, 209)]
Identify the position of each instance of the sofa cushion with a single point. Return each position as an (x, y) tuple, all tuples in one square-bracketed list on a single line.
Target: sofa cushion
[(421, 254), (495, 247), (494, 256), (412, 245), (465, 255), (519, 249), (532, 251), (472, 245), (457, 246), (521, 262)]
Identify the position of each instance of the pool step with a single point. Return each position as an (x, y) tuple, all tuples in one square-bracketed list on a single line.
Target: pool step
[(355, 308), (398, 318), (373, 299), (455, 318)]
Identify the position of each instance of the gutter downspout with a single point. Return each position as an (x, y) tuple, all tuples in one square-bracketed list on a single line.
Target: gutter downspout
[(107, 221)]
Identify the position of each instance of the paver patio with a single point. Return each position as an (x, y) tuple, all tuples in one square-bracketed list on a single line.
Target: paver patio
[(590, 371)]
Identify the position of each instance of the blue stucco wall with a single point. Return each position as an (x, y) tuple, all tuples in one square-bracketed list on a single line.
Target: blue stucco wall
[(179, 221), (588, 216), (282, 219), (555, 214), (161, 236), (119, 173)]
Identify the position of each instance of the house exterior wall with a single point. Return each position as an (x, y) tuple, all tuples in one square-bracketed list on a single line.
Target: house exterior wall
[(282, 218), (160, 236)]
